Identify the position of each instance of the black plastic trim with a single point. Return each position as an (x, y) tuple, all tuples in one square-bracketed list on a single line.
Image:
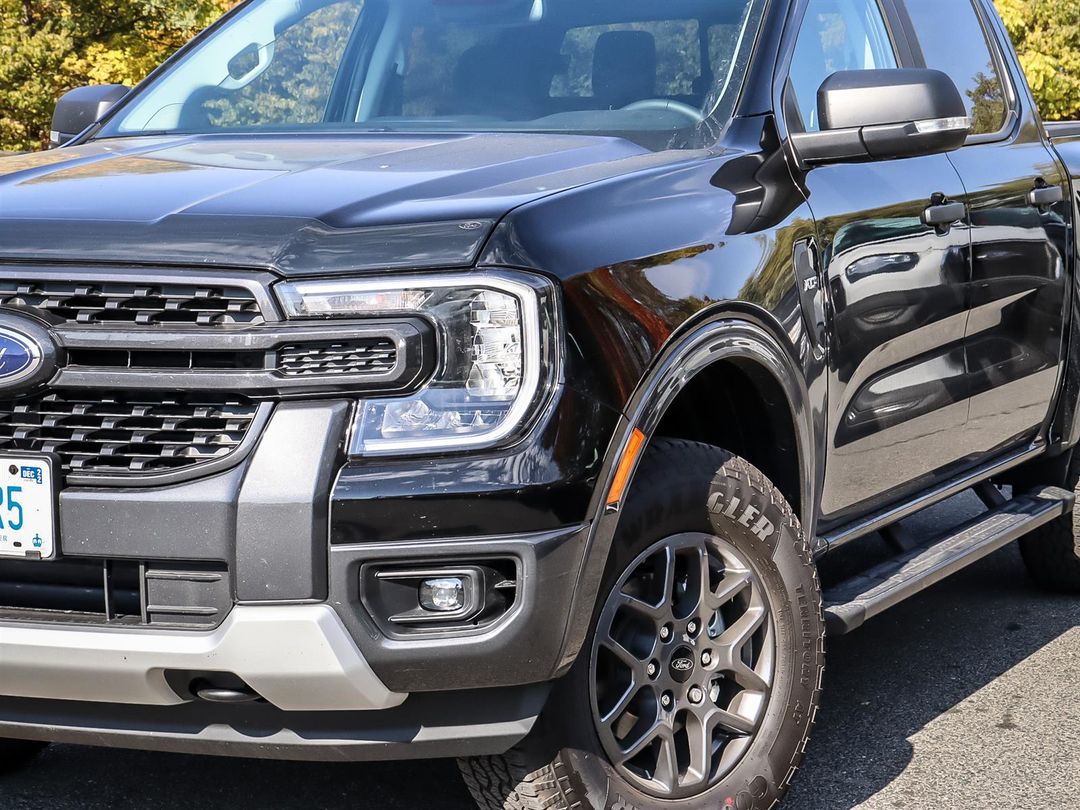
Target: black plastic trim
[(192, 521), (520, 647), (282, 516), (415, 341), (851, 603), (729, 336), (451, 724)]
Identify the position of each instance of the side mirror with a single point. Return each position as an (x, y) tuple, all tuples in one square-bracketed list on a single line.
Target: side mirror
[(884, 115), (80, 108)]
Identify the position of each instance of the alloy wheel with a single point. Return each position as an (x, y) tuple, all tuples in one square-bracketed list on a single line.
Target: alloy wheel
[(682, 665)]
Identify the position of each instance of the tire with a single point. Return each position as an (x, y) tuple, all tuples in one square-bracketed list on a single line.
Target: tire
[(1051, 553), (751, 642), (16, 754)]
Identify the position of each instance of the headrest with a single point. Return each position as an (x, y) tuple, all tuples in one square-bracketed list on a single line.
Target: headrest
[(624, 68)]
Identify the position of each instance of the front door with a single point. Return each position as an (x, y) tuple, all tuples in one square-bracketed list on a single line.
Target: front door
[(897, 288)]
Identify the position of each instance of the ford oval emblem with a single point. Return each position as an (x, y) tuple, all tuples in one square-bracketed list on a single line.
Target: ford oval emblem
[(682, 664), (20, 356)]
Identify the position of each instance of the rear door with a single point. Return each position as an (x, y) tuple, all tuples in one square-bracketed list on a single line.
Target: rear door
[(1019, 228), (897, 287)]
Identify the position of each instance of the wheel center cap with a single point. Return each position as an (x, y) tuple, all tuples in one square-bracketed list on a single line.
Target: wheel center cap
[(682, 664)]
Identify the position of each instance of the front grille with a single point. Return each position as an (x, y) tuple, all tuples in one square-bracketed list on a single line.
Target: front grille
[(352, 357), (101, 433), (194, 595), (133, 303)]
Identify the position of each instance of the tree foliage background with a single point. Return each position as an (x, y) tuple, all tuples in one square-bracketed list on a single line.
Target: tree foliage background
[(50, 46)]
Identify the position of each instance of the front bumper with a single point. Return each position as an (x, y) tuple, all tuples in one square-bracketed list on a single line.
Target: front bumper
[(296, 657), (288, 533)]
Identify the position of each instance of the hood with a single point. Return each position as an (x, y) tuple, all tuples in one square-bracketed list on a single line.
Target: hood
[(294, 204)]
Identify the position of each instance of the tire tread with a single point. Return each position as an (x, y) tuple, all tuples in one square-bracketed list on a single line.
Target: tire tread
[(504, 782)]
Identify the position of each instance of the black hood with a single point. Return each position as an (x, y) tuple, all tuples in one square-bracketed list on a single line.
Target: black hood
[(293, 204)]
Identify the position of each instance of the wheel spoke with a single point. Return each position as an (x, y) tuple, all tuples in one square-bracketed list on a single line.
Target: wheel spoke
[(667, 763), (731, 723), (699, 736), (622, 704), (733, 583), (641, 607), (625, 657), (643, 742), (748, 679), (731, 664), (669, 576), (742, 629), (730, 646)]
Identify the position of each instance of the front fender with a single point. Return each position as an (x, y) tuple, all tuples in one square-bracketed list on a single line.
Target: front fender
[(724, 337)]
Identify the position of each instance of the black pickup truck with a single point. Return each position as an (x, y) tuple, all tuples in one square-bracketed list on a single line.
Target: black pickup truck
[(495, 379)]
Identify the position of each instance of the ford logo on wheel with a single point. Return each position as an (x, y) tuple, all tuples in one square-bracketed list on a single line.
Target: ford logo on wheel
[(682, 664), (20, 357)]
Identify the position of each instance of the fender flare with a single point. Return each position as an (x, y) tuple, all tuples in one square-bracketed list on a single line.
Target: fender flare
[(726, 336)]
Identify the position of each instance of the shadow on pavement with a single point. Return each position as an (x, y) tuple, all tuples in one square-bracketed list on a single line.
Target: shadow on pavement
[(888, 680)]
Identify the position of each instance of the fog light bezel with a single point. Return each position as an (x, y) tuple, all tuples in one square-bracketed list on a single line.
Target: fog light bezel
[(390, 594), (472, 578)]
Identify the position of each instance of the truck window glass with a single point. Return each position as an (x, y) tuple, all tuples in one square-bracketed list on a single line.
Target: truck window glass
[(649, 72), (295, 85), (952, 40), (837, 35)]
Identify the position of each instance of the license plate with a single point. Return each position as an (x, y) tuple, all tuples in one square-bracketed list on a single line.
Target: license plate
[(27, 507)]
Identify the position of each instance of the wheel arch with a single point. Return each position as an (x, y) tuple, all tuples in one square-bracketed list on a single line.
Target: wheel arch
[(706, 354)]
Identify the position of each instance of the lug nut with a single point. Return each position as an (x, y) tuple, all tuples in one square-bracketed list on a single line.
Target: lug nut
[(706, 658), (696, 694), (652, 669), (665, 633), (691, 628), (665, 700)]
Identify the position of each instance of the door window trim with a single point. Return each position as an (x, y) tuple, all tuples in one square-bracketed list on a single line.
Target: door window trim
[(1014, 109), (893, 26)]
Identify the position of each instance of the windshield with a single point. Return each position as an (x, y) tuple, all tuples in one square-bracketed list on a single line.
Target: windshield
[(635, 68)]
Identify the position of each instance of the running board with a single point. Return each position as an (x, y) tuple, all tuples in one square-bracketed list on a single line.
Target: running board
[(851, 603)]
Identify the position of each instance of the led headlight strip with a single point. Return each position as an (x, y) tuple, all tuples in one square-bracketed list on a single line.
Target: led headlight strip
[(497, 344)]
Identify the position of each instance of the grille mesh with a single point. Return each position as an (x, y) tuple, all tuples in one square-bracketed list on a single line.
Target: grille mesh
[(359, 357), (110, 434), (133, 303)]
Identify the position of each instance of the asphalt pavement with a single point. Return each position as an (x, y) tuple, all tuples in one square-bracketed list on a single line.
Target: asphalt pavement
[(962, 698)]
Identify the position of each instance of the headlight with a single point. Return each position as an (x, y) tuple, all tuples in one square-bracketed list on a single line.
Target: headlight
[(498, 347)]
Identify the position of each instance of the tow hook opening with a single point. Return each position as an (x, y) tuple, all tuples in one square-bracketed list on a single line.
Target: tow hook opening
[(213, 687), (222, 694)]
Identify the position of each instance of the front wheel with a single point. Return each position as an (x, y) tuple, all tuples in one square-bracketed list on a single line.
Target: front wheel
[(702, 674)]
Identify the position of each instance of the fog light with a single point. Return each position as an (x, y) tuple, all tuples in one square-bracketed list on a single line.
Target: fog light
[(444, 595)]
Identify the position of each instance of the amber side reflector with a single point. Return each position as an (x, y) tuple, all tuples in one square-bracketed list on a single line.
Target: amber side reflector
[(626, 465)]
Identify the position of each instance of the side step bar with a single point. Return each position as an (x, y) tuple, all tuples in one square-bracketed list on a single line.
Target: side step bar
[(849, 604)]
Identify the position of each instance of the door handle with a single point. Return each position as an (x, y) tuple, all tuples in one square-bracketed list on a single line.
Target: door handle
[(943, 215), (1043, 196)]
